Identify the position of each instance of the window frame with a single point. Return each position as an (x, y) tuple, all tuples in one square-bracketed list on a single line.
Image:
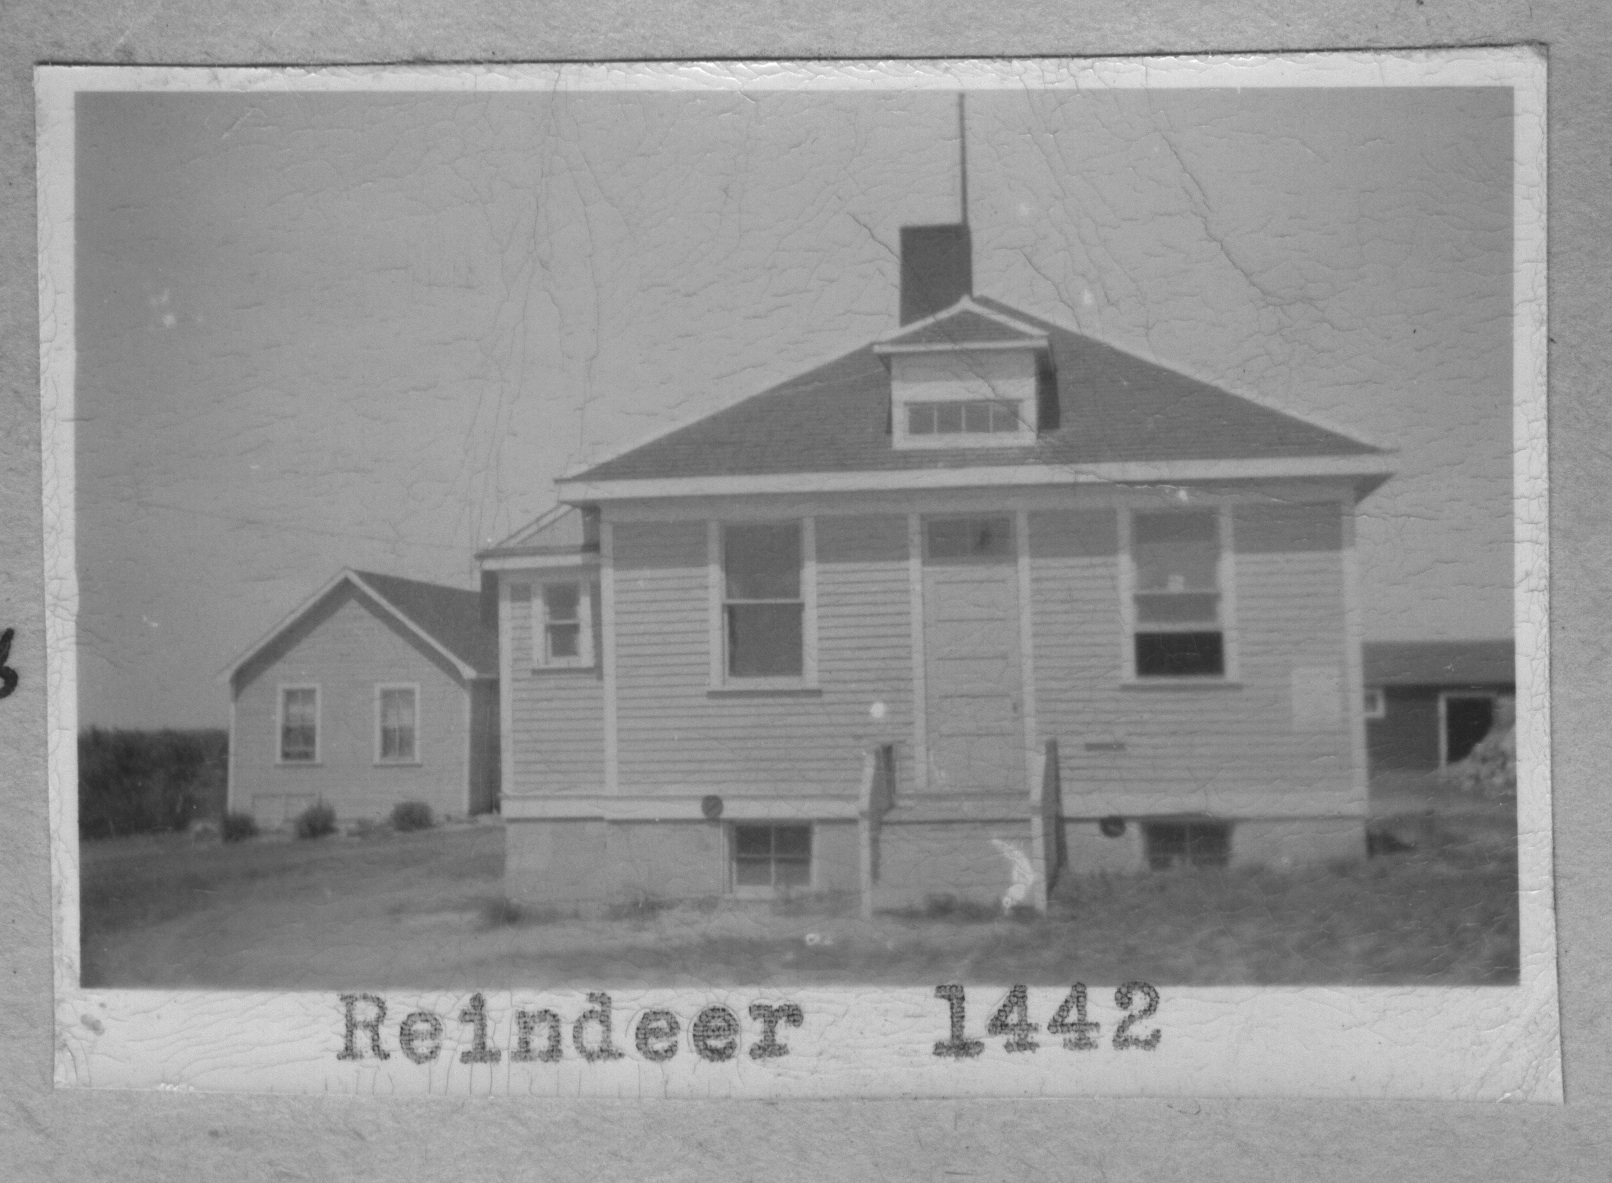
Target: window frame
[(381, 759), (772, 889), (281, 690), (716, 575), (1226, 601), (1012, 408), (1195, 833), (1005, 518), (587, 656)]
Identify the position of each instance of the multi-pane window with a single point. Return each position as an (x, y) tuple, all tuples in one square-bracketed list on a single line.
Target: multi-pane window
[(1177, 601), (564, 636), (763, 608), (772, 856), (299, 724), (1187, 844), (397, 708), (972, 417)]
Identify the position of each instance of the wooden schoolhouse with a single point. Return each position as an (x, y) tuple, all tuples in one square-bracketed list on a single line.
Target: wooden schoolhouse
[(982, 602)]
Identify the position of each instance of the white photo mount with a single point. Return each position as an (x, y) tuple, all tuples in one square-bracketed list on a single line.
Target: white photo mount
[(1476, 1042)]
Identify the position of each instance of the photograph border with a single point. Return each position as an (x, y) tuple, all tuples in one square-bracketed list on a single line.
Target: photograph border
[(1381, 1041)]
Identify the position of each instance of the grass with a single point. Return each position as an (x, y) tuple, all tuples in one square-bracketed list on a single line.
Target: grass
[(426, 910)]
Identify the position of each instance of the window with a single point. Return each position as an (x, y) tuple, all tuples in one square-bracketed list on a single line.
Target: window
[(968, 538), (397, 724), (1187, 844), (982, 416), (767, 858), (299, 724), (1177, 610), (564, 618), (1376, 706), (763, 605)]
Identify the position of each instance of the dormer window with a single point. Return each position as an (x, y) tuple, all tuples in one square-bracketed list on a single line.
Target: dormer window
[(980, 416), (968, 377)]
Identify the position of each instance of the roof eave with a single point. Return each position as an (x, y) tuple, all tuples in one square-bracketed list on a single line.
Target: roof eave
[(1041, 344), (1369, 471), (346, 575)]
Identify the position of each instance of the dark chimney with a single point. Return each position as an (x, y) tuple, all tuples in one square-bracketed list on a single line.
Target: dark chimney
[(937, 269)]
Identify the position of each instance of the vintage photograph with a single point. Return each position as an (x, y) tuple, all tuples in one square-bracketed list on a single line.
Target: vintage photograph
[(675, 528)]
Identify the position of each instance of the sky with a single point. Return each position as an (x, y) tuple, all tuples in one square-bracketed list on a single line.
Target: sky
[(326, 330)]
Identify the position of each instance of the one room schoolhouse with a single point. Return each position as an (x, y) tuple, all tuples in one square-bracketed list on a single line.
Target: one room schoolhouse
[(981, 602), (375, 691)]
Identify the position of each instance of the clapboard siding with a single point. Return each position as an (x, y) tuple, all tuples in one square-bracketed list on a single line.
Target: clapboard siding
[(1213, 745), (676, 736), (559, 715), (346, 646)]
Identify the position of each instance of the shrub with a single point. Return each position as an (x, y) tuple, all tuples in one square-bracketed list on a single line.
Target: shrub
[(412, 815), (135, 782), (238, 827), (1490, 771), (316, 821)]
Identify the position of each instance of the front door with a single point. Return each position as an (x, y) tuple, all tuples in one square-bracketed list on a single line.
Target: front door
[(974, 693)]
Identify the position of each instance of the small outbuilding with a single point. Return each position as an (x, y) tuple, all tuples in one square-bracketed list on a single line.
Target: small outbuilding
[(376, 690), (1428, 703)]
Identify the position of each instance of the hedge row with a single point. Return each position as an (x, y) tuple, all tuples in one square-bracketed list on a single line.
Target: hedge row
[(134, 782)]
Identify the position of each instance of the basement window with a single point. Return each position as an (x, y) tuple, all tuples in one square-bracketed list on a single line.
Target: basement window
[(1186, 844), (769, 858)]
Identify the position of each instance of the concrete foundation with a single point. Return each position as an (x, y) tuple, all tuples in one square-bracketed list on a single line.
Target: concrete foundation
[(577, 863), (920, 864), (1289, 843), (1279, 842), (1091, 852)]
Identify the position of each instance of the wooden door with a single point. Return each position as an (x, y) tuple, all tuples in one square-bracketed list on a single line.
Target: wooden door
[(973, 687)]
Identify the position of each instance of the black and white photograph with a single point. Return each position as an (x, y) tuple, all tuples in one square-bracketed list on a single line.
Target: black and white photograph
[(802, 578)]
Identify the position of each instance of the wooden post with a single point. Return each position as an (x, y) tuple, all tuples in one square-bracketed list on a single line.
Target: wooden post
[(878, 776), (1046, 824)]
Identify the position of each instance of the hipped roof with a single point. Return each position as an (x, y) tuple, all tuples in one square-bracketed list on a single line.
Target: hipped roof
[(1113, 407)]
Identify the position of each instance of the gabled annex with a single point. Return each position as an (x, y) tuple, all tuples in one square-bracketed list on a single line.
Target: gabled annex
[(374, 691)]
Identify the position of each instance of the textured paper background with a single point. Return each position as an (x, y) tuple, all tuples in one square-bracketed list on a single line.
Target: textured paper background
[(162, 1136)]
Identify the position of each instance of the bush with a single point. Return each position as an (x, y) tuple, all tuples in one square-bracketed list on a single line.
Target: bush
[(238, 827), (136, 782), (1489, 772), (412, 815), (316, 821)]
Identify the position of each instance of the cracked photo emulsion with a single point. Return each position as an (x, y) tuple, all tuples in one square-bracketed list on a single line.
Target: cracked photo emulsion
[(801, 579)]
